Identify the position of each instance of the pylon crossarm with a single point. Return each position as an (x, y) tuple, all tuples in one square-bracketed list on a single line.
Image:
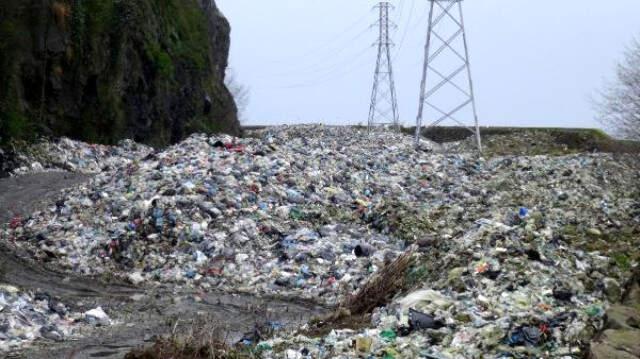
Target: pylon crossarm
[(446, 80), (384, 4)]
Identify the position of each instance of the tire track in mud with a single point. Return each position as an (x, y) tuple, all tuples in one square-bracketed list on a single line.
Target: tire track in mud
[(139, 322)]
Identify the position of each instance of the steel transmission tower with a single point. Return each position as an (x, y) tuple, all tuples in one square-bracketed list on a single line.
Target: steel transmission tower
[(383, 110), (446, 28)]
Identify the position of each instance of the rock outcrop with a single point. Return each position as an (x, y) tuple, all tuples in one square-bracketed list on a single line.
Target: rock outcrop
[(103, 70), (621, 339)]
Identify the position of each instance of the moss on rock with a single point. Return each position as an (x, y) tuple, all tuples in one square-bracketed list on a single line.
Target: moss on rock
[(103, 70)]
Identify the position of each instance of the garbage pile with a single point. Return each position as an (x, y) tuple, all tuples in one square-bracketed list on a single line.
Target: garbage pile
[(75, 156), (520, 254), (244, 215), (521, 258), (25, 317), (491, 293)]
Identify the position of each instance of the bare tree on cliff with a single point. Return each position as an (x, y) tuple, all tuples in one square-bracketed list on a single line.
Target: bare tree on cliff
[(619, 105), (239, 92)]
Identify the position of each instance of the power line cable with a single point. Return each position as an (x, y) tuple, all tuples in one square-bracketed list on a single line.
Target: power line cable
[(321, 64), (417, 24), (401, 11), (330, 76), (406, 29), (326, 45)]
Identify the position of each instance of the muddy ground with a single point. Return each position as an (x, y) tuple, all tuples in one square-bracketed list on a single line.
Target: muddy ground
[(140, 313)]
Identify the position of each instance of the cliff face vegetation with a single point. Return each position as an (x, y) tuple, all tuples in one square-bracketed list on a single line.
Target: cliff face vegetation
[(103, 70)]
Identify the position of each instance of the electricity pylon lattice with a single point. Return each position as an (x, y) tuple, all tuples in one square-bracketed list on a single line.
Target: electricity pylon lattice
[(446, 61), (383, 110)]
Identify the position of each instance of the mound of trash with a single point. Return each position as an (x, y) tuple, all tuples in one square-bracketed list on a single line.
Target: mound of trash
[(232, 214), (74, 156), (518, 255)]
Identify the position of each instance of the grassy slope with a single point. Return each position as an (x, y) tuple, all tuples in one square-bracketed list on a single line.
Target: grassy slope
[(535, 141)]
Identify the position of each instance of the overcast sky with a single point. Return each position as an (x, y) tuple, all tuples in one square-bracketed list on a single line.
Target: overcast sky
[(534, 63)]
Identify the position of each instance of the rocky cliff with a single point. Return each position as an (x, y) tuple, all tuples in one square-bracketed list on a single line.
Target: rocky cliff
[(103, 70)]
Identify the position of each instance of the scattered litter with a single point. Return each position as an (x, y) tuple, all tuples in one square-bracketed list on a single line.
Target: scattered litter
[(25, 317), (74, 156)]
